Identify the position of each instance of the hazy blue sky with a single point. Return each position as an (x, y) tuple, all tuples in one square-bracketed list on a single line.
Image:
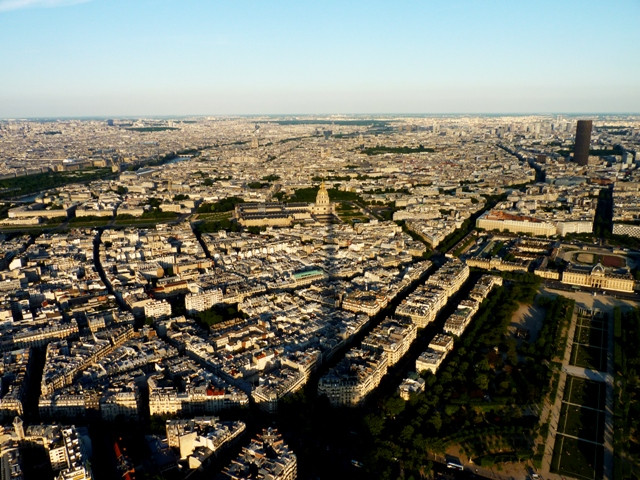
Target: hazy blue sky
[(151, 57)]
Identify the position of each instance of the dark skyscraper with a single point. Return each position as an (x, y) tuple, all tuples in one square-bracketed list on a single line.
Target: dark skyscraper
[(583, 141)]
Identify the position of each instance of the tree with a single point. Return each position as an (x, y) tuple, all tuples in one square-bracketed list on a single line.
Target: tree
[(394, 406), (153, 202), (483, 365), (224, 205), (406, 434), (436, 421), (375, 424), (256, 230), (482, 381), (271, 178), (209, 317)]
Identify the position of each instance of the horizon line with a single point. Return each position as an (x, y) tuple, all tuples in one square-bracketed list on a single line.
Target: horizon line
[(382, 114)]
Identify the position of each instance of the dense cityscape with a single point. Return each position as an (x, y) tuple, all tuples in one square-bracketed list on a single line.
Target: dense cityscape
[(280, 297)]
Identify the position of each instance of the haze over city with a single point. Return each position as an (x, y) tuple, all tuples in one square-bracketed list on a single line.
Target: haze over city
[(117, 57)]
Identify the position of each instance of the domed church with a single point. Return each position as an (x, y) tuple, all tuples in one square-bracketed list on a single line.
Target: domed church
[(323, 205), (277, 214)]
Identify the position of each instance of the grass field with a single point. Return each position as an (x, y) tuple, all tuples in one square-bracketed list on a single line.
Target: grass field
[(577, 458), (595, 337), (588, 258), (582, 422), (89, 223), (592, 358), (212, 215), (590, 322), (585, 392), (590, 344), (582, 416)]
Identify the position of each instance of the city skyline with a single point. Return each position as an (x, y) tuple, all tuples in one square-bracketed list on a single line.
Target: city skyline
[(342, 280), (97, 58)]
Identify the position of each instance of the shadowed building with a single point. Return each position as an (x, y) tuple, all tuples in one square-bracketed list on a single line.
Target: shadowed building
[(583, 142)]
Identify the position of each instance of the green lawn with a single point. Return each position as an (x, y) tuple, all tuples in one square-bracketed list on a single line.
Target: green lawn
[(79, 223), (598, 337), (593, 358), (577, 458), (591, 322), (592, 336), (585, 392), (214, 215), (590, 343), (580, 458), (582, 422)]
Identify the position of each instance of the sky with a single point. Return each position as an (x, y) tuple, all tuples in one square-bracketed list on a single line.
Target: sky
[(220, 57)]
